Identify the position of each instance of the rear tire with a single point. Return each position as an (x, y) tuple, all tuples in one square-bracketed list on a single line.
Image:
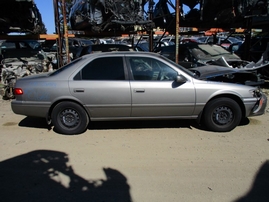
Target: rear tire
[(69, 118), (222, 115)]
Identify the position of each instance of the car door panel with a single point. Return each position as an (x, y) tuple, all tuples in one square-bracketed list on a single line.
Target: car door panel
[(155, 92), (160, 98), (103, 99), (103, 88)]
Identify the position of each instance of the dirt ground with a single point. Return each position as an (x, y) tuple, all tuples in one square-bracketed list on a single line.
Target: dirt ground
[(133, 161)]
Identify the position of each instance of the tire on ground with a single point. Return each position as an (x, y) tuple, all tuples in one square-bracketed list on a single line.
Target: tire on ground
[(69, 118), (222, 115)]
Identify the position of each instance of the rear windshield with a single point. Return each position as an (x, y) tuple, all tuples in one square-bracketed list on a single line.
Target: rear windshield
[(65, 67)]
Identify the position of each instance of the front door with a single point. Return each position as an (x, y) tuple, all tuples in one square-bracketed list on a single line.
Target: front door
[(155, 93)]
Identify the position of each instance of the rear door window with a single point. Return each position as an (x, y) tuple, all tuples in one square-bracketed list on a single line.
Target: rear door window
[(109, 68)]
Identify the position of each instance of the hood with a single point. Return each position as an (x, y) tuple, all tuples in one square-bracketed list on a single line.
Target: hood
[(207, 52), (213, 71)]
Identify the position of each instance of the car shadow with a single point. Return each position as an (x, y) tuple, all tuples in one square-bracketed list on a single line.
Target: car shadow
[(175, 123), (34, 122), (142, 124), (244, 122), (46, 175)]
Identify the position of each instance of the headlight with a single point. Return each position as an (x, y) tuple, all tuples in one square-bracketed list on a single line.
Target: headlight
[(255, 92)]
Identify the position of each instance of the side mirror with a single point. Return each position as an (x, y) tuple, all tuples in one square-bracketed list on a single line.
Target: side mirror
[(180, 79)]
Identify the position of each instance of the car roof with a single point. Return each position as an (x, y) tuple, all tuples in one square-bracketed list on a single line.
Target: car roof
[(110, 47), (121, 53)]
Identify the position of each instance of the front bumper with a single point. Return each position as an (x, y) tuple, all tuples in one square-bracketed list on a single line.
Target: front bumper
[(259, 107)]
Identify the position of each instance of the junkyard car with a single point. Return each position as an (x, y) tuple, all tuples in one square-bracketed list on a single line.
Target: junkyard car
[(19, 50), (223, 41), (193, 55), (224, 74), (196, 54), (132, 86), (96, 48)]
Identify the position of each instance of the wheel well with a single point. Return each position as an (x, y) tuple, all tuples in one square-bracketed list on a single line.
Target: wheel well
[(65, 100), (233, 97)]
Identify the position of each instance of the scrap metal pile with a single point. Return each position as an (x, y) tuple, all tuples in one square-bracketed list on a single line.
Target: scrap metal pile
[(13, 71), (20, 16), (108, 15), (213, 13)]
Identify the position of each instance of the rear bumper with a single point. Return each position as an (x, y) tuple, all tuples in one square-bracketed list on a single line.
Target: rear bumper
[(30, 109)]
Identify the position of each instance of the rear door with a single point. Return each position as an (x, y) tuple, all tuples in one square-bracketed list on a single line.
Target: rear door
[(103, 88)]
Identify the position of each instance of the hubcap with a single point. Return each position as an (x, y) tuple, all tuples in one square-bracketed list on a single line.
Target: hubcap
[(223, 115), (69, 118)]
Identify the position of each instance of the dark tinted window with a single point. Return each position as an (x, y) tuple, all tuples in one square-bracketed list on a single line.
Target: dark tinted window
[(8, 45), (110, 68)]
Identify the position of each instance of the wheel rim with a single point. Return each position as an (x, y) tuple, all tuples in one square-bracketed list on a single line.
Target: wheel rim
[(69, 118), (223, 115)]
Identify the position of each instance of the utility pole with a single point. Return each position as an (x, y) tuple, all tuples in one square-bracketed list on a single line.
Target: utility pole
[(65, 31), (62, 32), (151, 4), (177, 29), (58, 32)]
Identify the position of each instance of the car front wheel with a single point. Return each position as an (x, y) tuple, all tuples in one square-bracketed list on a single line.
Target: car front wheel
[(69, 118), (222, 115)]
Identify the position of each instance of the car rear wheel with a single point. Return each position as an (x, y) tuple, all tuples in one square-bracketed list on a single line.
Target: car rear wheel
[(222, 115), (69, 118)]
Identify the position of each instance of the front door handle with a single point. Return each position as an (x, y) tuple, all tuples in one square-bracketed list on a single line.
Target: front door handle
[(79, 90), (139, 90)]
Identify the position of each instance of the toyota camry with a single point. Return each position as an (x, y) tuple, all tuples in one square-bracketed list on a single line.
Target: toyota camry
[(132, 86)]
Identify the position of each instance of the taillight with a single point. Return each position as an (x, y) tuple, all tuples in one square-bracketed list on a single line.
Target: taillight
[(18, 91)]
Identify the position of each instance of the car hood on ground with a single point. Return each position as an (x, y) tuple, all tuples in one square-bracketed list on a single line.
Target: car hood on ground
[(226, 74), (211, 52), (213, 71)]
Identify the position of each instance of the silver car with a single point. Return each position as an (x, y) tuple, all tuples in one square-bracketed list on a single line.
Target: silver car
[(132, 86)]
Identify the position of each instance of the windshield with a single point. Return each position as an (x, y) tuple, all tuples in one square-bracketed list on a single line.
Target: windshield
[(205, 51), (190, 73), (234, 40), (34, 44), (144, 46), (65, 67)]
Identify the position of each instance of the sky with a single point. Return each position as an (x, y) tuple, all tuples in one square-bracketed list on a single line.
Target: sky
[(46, 8)]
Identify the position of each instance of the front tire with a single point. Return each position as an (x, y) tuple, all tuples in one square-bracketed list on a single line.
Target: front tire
[(69, 118), (222, 115)]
